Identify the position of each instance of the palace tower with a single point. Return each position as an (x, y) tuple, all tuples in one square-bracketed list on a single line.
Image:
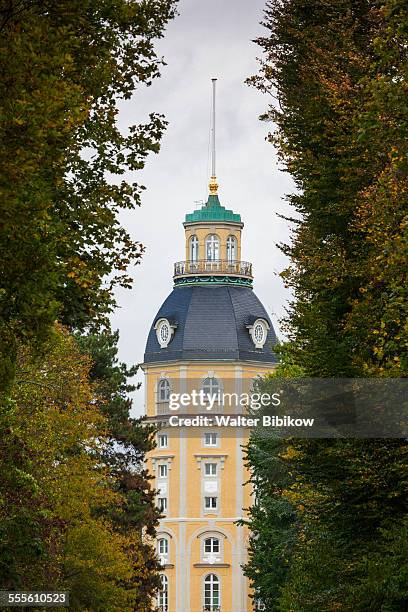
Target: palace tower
[(211, 334)]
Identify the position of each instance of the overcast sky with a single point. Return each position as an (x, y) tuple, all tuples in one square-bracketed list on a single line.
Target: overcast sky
[(207, 39)]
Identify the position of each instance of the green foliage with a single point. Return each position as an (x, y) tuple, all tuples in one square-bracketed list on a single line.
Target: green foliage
[(323, 511), (272, 521), (383, 575), (338, 72), (58, 496), (273, 517), (76, 507), (128, 442), (64, 67), (350, 492), (112, 382)]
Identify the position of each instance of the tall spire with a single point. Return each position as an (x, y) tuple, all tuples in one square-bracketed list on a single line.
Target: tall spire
[(213, 185)]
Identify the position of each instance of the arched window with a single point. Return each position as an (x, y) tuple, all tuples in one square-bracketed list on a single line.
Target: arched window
[(212, 248), (231, 249), (212, 600), (163, 547), (211, 387), (163, 390), (193, 248), (162, 504), (211, 546), (164, 594)]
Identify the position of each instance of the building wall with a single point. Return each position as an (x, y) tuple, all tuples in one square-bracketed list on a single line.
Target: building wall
[(222, 230), (186, 519)]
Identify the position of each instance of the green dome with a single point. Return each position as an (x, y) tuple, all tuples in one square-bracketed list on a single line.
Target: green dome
[(213, 211)]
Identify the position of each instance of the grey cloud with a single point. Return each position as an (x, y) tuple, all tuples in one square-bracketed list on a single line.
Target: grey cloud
[(211, 38)]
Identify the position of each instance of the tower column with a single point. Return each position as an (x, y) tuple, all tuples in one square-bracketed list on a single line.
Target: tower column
[(210, 335), (183, 591)]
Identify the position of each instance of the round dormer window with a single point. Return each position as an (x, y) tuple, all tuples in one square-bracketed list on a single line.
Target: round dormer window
[(164, 332), (259, 332)]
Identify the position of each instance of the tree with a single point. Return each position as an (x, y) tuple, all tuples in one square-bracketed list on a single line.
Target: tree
[(60, 499), (129, 440), (324, 510), (64, 67), (337, 72), (348, 161), (273, 517)]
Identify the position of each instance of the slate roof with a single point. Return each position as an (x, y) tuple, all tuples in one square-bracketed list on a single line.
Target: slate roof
[(211, 324)]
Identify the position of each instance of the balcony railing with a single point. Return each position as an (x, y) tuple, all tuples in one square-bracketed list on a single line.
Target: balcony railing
[(218, 266), (212, 609)]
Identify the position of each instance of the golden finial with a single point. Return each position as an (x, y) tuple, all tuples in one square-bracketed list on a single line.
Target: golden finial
[(213, 185)]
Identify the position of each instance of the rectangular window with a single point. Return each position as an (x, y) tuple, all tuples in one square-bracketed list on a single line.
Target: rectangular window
[(210, 469), (210, 439), (211, 545), (163, 441), (163, 470), (210, 503), (162, 504)]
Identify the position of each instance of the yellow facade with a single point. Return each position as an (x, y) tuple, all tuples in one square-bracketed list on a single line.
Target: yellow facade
[(222, 230), (186, 522), (195, 467)]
